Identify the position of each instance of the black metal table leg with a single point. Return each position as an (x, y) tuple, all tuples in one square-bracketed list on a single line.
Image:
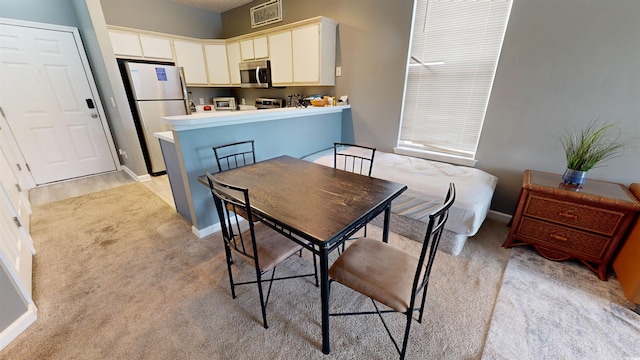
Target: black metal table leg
[(387, 219), (324, 294)]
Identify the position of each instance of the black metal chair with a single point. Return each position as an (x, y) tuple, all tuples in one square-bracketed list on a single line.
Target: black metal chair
[(398, 277), (253, 241), (233, 155), (353, 158), (356, 159)]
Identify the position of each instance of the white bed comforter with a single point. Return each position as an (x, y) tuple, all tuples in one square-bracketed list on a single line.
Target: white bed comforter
[(427, 182)]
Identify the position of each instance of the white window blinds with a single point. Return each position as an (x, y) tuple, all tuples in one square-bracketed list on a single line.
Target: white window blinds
[(445, 100)]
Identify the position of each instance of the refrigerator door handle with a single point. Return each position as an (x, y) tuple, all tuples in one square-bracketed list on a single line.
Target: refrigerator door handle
[(185, 94)]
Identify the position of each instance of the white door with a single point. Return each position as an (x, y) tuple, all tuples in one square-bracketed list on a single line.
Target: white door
[(47, 100)]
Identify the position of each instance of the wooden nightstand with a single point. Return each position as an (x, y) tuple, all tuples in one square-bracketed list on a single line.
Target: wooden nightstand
[(564, 223)]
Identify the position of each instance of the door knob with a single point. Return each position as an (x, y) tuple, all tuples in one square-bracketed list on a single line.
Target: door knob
[(94, 115)]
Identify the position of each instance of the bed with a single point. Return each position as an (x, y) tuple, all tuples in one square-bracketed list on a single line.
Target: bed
[(427, 183)]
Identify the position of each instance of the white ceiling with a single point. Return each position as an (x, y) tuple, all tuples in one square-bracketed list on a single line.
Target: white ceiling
[(218, 6)]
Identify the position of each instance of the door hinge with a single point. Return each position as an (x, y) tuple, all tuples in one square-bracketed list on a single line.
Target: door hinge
[(2, 112), (17, 221), (19, 167), (18, 187), (27, 165)]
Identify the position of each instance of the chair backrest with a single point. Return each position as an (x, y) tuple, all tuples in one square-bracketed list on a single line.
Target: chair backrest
[(233, 155), (230, 201), (437, 219), (354, 158)]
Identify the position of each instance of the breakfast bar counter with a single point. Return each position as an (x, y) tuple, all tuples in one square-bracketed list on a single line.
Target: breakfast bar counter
[(221, 118), (188, 146)]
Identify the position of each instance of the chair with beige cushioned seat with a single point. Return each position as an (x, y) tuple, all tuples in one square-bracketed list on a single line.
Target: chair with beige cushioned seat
[(390, 276), (253, 241), (353, 158)]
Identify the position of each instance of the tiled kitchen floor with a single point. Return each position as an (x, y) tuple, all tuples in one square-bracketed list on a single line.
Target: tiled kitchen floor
[(77, 187)]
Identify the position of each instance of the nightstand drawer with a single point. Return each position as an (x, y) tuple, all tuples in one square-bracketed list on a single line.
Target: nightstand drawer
[(579, 216), (577, 242)]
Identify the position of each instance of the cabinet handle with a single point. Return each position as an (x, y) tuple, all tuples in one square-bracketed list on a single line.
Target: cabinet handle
[(568, 215), (558, 237)]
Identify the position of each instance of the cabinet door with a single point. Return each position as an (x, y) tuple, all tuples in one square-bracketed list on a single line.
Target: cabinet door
[(261, 47), (18, 196), (246, 49), (125, 44), (155, 47), (306, 54), (233, 54), (16, 245), (190, 56), (217, 64), (281, 58)]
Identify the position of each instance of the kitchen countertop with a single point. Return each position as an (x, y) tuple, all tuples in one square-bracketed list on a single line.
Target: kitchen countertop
[(222, 118), (165, 135)]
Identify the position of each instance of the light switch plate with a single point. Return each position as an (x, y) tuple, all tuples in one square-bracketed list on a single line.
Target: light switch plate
[(201, 101), (338, 70)]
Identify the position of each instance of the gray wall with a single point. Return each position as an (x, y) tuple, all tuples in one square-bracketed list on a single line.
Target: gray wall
[(163, 16), (563, 64), (59, 12)]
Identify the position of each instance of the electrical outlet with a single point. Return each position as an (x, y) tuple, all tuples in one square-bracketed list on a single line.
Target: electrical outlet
[(201, 101), (338, 70), (122, 153)]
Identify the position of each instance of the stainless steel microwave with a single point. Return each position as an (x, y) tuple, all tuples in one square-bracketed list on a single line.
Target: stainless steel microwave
[(255, 74)]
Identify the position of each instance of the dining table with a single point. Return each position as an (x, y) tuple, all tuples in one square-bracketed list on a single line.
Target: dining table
[(317, 206)]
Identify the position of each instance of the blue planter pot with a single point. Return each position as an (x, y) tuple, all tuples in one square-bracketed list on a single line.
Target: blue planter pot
[(574, 177)]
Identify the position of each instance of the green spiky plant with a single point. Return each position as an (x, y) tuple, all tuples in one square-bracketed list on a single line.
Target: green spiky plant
[(591, 147)]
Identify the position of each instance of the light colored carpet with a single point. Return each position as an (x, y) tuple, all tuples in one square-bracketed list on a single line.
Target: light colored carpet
[(118, 274), (560, 310)]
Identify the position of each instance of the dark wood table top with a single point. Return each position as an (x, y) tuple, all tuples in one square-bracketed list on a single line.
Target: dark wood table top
[(319, 202)]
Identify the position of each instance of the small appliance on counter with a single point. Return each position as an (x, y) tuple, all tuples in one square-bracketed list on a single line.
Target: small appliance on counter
[(224, 103), (297, 100), (265, 103)]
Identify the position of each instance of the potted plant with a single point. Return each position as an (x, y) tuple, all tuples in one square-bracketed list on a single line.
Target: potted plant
[(587, 150)]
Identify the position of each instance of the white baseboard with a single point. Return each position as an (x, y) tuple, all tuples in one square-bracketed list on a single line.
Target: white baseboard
[(134, 176), (18, 326), (200, 233), (499, 216)]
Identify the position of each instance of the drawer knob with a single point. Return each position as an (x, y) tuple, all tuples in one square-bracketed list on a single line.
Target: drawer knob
[(558, 237), (568, 215)]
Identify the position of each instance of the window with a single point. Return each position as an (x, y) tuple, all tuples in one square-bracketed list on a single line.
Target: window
[(454, 53)]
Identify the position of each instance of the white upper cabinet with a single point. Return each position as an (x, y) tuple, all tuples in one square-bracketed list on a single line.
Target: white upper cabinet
[(134, 45), (246, 49), (302, 53), (190, 55), (256, 48), (125, 44), (281, 58), (217, 64), (261, 47), (155, 47), (305, 54), (234, 57), (314, 53)]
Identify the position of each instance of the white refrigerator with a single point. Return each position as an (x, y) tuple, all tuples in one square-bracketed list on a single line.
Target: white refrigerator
[(156, 91)]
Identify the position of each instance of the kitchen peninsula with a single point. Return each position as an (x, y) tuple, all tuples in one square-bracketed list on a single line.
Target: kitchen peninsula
[(287, 131)]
